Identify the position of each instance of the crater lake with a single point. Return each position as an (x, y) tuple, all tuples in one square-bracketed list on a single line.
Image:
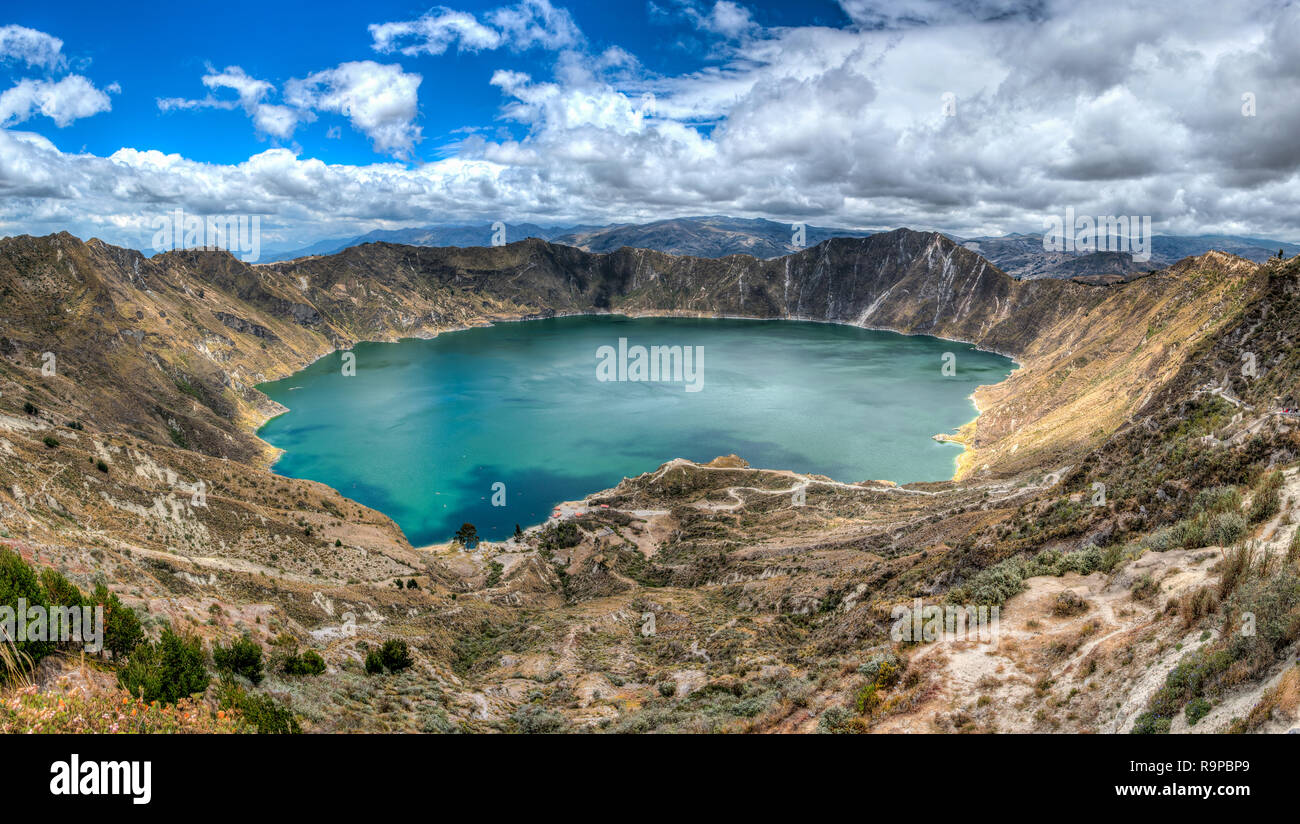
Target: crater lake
[(430, 432)]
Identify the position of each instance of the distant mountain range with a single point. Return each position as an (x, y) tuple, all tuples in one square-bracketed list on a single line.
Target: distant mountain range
[(420, 236), (707, 237), (713, 236), (1020, 255)]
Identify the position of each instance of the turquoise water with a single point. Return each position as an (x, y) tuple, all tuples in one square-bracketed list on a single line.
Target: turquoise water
[(425, 428)]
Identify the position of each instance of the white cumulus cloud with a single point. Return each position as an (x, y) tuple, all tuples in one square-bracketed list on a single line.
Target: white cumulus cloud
[(982, 120), (380, 100), (34, 48), (63, 101), (69, 98)]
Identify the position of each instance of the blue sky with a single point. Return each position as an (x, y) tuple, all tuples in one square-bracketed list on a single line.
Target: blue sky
[(151, 51), (330, 120)]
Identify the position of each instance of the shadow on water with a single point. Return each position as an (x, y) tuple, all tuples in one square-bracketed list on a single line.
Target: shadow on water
[(530, 495)]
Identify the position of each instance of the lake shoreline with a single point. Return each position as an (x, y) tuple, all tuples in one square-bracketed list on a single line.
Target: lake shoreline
[(949, 475)]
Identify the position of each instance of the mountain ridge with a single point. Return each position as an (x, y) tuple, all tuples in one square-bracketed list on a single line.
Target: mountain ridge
[(1021, 255)]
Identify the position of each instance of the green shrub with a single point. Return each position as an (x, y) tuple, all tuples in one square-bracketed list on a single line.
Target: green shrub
[(59, 591), (1192, 676), (560, 536), (882, 669), (395, 655), (1113, 555), (50, 441), (1267, 500), (122, 630), (867, 700), (839, 721), (533, 719), (1084, 561), (1197, 709), (374, 662), (436, 721), (261, 711), (1225, 529), (167, 670), (1217, 499), (309, 663), (1219, 528), (1162, 540), (1189, 533), (243, 657), (1148, 724), (19, 580), (1274, 601), (994, 585), (991, 586)]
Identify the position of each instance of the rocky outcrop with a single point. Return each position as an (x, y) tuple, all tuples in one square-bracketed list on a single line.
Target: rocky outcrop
[(237, 323)]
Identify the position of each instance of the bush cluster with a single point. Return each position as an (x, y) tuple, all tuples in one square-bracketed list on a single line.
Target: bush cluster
[(394, 656)]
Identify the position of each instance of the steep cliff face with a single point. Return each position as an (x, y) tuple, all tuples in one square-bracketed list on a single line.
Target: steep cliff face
[(907, 281), (900, 279), (912, 282)]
